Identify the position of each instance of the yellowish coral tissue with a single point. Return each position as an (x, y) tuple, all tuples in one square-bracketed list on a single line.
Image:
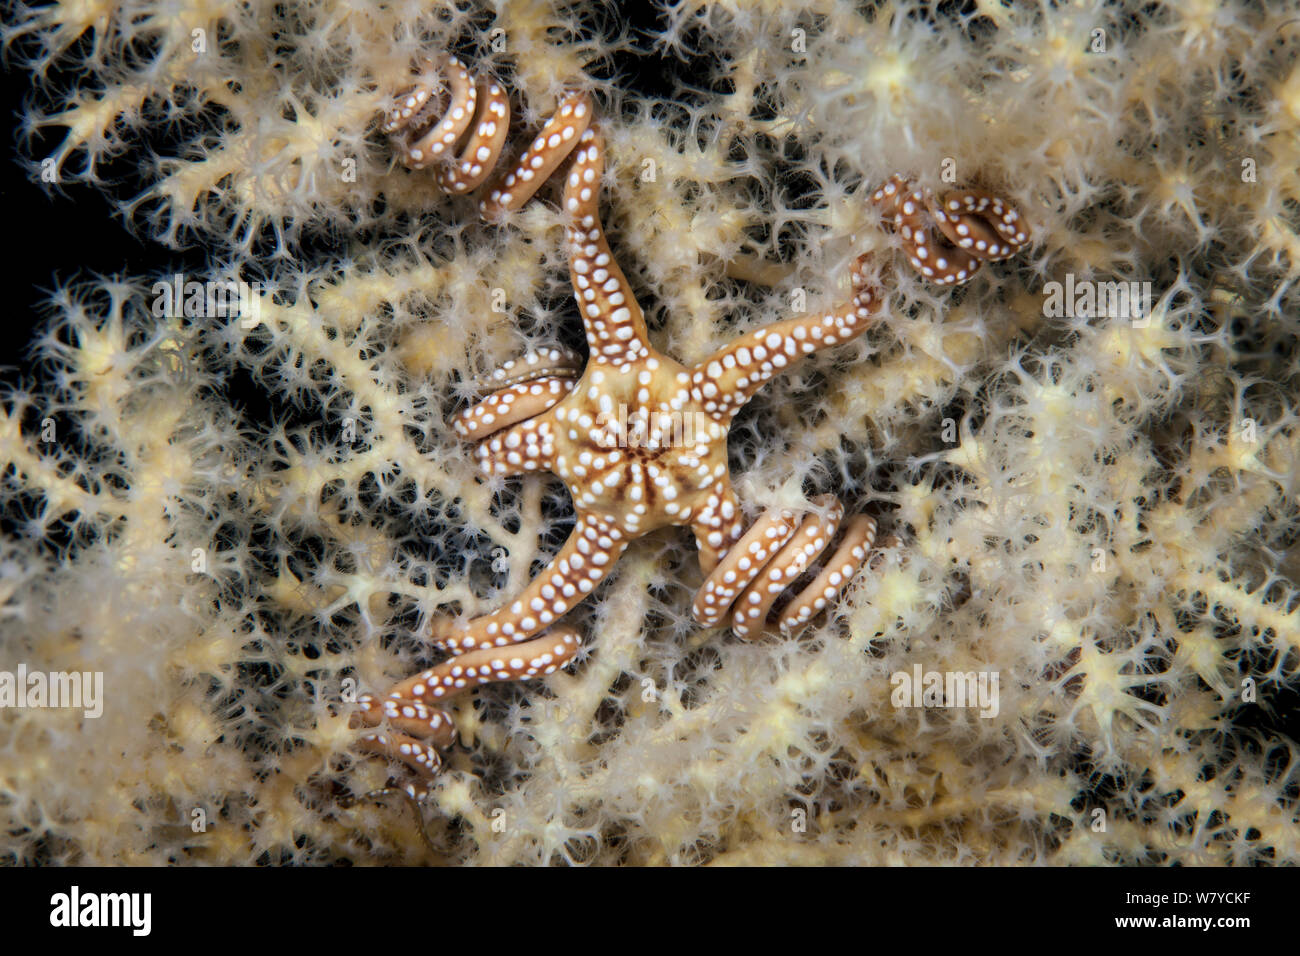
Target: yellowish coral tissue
[(750, 433)]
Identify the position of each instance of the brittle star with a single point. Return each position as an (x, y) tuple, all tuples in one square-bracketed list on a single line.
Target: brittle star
[(640, 441)]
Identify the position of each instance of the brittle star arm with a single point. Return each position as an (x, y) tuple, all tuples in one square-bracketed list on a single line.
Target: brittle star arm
[(521, 448), (419, 727), (593, 547), (725, 381), (501, 646), (717, 525), (615, 325)]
